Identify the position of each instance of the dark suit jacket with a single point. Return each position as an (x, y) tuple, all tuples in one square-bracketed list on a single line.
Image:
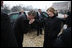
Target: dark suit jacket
[(22, 25), (37, 16), (64, 40), (8, 38), (66, 37)]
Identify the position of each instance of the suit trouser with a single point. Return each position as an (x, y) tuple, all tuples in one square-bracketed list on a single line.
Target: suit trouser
[(19, 37), (39, 28)]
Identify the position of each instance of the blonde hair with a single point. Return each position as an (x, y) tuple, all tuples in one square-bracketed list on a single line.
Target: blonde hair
[(51, 9)]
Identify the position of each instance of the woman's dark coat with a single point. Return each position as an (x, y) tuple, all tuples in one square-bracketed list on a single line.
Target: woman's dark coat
[(52, 28)]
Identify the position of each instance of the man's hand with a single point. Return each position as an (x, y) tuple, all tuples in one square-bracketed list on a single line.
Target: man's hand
[(31, 21)]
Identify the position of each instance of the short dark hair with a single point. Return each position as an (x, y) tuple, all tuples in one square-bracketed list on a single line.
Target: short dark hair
[(39, 9), (33, 13)]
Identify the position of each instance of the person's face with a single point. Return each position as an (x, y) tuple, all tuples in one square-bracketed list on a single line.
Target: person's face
[(22, 11), (51, 14), (39, 10), (30, 17)]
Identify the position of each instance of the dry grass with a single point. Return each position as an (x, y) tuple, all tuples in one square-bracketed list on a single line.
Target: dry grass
[(32, 40)]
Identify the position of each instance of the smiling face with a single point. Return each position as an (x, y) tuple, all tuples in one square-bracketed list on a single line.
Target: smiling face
[(51, 14), (50, 11)]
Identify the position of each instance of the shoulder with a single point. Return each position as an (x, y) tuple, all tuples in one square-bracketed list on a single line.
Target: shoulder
[(4, 16)]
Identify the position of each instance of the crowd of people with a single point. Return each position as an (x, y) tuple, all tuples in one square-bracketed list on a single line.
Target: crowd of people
[(13, 37)]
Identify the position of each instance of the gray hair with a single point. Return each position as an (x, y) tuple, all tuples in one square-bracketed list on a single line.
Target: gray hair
[(33, 13)]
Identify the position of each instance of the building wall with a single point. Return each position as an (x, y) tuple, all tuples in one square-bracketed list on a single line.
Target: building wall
[(62, 5)]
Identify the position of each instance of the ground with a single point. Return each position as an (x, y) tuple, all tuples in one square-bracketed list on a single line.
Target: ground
[(32, 40)]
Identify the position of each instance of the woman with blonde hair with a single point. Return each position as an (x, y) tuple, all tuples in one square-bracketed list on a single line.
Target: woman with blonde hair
[(52, 27)]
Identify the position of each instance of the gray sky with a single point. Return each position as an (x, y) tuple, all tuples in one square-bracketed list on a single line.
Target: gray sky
[(35, 4)]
